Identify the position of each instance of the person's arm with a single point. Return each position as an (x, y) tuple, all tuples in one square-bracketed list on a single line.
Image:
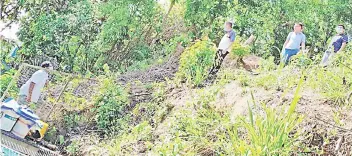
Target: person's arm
[(343, 46), (303, 46), (30, 91), (232, 39), (287, 40), (285, 44), (344, 43)]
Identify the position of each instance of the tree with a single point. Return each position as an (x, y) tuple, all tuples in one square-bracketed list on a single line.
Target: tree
[(207, 16), (64, 32), (127, 31)]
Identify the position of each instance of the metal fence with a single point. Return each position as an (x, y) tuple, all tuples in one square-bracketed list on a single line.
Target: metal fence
[(13, 145)]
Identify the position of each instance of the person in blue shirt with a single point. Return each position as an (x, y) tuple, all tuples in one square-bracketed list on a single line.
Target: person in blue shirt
[(337, 44), (224, 47)]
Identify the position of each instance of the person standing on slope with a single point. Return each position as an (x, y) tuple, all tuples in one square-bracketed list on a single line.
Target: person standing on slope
[(31, 90), (294, 41), (337, 44), (224, 47)]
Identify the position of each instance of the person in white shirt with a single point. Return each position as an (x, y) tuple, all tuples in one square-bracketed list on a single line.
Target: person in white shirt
[(224, 47), (31, 90)]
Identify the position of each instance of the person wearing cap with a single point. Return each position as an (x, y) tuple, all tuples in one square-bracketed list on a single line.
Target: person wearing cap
[(337, 44), (294, 41), (224, 47), (31, 90)]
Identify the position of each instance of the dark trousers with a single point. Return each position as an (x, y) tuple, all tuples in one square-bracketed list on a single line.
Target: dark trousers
[(219, 58)]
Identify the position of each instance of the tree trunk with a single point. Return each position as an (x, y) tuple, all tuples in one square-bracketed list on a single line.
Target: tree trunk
[(173, 2), (1, 8)]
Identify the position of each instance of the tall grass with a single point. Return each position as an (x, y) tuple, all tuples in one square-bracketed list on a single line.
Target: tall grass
[(335, 81), (208, 130), (271, 133)]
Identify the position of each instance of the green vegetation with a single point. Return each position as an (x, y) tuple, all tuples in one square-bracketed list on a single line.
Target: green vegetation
[(333, 82), (108, 108), (208, 130), (5, 79), (111, 106), (196, 61), (84, 35), (238, 49)]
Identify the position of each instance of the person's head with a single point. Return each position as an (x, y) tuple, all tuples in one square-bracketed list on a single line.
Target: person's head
[(228, 26), (47, 65), (340, 29), (298, 27)]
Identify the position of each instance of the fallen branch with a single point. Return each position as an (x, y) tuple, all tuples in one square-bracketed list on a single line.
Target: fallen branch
[(142, 94), (341, 128), (346, 66)]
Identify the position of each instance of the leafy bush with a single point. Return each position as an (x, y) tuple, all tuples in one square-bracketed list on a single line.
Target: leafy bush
[(127, 143), (206, 16), (110, 107), (64, 31), (195, 62), (73, 119), (238, 49), (5, 80), (73, 148), (301, 60), (267, 64), (84, 35)]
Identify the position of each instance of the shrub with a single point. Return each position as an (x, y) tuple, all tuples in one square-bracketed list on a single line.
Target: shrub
[(267, 65), (73, 148), (5, 80), (110, 107), (238, 49), (128, 143), (196, 61), (301, 60)]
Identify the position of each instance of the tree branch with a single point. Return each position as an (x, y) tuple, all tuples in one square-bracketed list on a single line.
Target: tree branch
[(7, 25)]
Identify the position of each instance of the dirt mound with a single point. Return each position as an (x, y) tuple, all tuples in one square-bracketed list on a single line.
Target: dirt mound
[(325, 127), (249, 62), (157, 73)]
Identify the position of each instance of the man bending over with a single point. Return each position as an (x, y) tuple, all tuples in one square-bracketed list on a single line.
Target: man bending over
[(31, 90)]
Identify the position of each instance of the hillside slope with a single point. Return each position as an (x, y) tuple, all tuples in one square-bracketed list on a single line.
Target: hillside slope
[(326, 127), (320, 121)]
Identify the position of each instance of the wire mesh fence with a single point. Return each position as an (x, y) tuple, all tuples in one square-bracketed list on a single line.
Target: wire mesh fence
[(12, 145), (66, 93)]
